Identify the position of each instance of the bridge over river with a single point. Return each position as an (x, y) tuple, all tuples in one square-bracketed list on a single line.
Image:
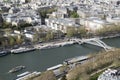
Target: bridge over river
[(93, 41)]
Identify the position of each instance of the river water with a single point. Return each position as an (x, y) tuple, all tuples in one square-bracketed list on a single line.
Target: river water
[(40, 60)]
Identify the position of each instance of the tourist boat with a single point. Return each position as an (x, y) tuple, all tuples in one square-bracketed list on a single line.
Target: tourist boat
[(23, 74), (27, 75), (18, 68), (22, 50)]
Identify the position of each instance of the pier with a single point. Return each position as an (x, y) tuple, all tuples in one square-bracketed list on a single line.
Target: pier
[(53, 45)]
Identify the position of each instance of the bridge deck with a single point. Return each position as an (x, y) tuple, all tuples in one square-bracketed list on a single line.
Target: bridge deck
[(94, 41)]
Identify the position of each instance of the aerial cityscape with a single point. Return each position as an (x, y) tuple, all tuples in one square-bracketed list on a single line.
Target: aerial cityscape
[(59, 39)]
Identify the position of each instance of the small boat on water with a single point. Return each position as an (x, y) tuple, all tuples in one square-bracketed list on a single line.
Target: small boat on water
[(18, 68), (3, 53)]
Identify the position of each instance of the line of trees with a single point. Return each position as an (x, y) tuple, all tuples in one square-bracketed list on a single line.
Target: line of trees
[(106, 31), (76, 32), (101, 60), (18, 27), (82, 33), (10, 41), (50, 35)]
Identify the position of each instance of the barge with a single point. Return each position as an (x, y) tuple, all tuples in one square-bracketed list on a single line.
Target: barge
[(22, 50)]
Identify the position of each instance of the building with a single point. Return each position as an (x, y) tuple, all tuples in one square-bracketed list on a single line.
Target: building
[(61, 24), (29, 35), (57, 15), (14, 1), (94, 23), (115, 20), (22, 17), (110, 74), (14, 10)]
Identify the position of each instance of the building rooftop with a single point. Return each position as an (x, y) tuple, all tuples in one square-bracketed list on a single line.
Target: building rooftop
[(110, 74), (97, 20)]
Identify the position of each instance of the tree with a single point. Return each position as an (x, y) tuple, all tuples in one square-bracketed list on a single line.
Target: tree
[(11, 41), (74, 14), (107, 30), (36, 37), (71, 31), (27, 1), (50, 35), (58, 34), (43, 13), (6, 25), (82, 32), (23, 25), (64, 77)]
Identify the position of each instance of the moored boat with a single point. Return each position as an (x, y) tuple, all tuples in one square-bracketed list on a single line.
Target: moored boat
[(22, 50), (23, 74), (30, 75), (3, 53), (18, 68)]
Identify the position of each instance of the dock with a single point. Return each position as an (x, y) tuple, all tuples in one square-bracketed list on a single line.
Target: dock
[(76, 59), (53, 45)]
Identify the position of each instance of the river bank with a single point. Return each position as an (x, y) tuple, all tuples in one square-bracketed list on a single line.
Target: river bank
[(40, 60), (54, 44), (66, 42)]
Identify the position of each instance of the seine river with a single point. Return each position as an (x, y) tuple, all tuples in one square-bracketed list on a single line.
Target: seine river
[(40, 60)]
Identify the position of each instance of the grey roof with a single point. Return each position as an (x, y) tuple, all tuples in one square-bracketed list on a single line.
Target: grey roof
[(110, 74)]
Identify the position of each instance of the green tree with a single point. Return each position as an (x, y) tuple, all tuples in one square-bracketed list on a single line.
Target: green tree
[(27, 1), (6, 25), (43, 13), (23, 25), (74, 14)]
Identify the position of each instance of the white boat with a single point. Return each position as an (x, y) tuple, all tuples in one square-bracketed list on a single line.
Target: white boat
[(76, 59), (18, 68), (30, 75), (23, 74), (22, 50), (55, 67)]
